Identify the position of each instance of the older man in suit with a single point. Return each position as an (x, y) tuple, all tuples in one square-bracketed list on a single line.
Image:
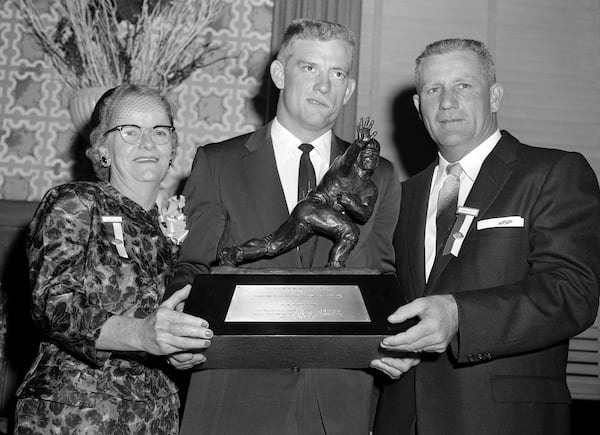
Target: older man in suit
[(246, 187), (514, 275)]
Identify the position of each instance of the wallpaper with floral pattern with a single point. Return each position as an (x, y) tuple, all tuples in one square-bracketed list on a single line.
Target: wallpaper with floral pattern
[(39, 147)]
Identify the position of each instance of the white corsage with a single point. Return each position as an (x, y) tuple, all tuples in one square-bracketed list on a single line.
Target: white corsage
[(172, 219)]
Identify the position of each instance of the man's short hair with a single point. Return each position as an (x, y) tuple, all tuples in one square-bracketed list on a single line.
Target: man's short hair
[(444, 46), (318, 30)]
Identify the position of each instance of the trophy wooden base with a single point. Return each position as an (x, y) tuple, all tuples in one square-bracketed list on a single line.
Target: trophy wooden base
[(299, 326)]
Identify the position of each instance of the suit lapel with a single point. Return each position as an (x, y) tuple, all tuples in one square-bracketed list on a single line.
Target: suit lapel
[(264, 185), (494, 173), (417, 203), (338, 147)]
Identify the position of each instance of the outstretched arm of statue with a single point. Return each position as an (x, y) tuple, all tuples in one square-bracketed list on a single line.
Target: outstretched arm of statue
[(364, 136)]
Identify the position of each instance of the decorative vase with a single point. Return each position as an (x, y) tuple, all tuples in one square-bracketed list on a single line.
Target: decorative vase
[(81, 105)]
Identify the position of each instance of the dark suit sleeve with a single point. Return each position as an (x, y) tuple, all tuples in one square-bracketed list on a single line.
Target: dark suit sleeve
[(205, 222), (558, 298), (380, 247)]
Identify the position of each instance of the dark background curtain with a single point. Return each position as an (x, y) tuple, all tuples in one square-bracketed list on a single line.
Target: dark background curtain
[(347, 12)]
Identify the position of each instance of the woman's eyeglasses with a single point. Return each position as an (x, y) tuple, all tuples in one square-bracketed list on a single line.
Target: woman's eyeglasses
[(132, 134)]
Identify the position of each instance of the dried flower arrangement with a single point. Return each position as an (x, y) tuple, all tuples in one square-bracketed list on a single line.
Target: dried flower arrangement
[(160, 45)]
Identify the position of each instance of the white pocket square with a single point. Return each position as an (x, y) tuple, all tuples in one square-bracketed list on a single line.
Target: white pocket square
[(501, 222)]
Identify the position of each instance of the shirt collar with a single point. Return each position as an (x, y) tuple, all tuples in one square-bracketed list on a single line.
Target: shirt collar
[(285, 139), (472, 162)]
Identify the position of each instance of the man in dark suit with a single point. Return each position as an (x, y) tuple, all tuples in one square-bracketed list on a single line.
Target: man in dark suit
[(515, 275), (246, 187)]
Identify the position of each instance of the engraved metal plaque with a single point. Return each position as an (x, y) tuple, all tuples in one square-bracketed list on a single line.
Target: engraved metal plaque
[(297, 303)]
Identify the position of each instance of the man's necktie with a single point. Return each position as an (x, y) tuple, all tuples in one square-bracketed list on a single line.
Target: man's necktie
[(306, 173), (447, 204), (307, 181)]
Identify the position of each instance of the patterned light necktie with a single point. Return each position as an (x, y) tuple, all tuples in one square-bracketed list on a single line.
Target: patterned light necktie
[(447, 204), (306, 172)]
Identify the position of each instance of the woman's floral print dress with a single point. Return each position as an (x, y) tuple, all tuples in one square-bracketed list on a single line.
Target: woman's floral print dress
[(80, 279)]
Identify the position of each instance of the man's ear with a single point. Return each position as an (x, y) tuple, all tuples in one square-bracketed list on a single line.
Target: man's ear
[(277, 70), (349, 90), (417, 103), (496, 94)]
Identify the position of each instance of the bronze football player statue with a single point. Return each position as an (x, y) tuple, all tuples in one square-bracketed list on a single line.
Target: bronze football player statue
[(345, 196)]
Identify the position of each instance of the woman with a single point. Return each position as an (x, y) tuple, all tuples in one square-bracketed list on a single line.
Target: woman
[(99, 262)]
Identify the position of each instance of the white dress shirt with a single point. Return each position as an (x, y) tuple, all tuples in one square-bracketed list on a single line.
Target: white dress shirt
[(470, 164), (287, 157)]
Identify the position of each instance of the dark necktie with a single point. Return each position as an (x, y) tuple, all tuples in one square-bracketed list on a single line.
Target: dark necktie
[(306, 172), (447, 205), (307, 181)]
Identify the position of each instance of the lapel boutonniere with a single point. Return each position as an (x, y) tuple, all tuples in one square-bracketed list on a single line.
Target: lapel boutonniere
[(172, 219)]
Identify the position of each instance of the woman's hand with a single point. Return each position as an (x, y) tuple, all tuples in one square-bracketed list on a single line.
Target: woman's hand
[(169, 330)]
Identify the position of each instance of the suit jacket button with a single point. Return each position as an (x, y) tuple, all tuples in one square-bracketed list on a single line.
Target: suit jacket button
[(470, 357), (480, 357), (488, 355), (295, 369)]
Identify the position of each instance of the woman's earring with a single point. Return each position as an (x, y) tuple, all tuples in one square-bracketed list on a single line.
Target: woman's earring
[(105, 161)]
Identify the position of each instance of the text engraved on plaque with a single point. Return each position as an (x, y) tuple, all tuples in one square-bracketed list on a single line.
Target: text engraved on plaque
[(297, 303)]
